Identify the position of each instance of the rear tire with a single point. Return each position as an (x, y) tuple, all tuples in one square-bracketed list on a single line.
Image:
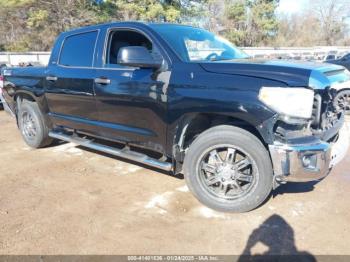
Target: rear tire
[(31, 122), (228, 169)]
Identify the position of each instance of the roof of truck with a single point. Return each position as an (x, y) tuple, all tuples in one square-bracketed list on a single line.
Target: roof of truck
[(124, 23)]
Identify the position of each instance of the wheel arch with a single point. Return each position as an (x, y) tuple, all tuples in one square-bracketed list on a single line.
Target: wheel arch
[(343, 89), (193, 125), (23, 95)]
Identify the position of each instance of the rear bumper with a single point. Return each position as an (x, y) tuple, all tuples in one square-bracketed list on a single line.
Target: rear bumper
[(308, 161), (5, 106)]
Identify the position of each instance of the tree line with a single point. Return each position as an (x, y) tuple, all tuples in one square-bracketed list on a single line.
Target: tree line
[(33, 25)]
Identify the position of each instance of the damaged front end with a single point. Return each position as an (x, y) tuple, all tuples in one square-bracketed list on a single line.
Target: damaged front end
[(308, 150)]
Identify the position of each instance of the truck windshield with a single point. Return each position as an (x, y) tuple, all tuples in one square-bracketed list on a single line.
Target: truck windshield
[(197, 45)]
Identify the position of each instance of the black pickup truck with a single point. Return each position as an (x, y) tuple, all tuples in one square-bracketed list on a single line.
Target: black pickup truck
[(181, 99)]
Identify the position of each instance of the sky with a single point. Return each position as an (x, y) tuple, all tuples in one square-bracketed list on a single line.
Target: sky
[(289, 7), (292, 6)]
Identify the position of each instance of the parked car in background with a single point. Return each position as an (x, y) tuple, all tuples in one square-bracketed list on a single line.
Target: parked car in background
[(343, 61), (330, 57), (236, 127)]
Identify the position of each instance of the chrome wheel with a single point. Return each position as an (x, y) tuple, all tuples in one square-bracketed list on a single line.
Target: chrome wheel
[(343, 101), (227, 172), (29, 129)]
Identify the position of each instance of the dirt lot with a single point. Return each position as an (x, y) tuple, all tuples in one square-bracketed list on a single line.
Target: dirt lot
[(67, 200)]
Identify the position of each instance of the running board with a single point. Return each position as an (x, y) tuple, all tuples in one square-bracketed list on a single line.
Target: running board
[(124, 153)]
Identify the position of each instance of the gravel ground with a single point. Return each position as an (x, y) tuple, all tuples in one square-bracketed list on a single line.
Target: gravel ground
[(67, 200)]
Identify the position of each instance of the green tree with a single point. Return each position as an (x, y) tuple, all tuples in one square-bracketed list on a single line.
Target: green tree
[(34, 24), (152, 10), (251, 22), (263, 22), (236, 22)]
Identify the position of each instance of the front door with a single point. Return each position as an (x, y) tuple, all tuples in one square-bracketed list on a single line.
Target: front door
[(131, 102)]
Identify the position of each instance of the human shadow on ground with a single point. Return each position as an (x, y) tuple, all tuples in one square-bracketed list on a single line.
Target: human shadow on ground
[(278, 236)]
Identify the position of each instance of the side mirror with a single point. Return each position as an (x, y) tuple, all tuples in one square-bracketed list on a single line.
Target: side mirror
[(137, 56)]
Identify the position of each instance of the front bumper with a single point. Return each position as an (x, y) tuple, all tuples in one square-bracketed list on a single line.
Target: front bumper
[(308, 160)]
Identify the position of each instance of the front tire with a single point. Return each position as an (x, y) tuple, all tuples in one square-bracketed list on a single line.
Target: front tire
[(342, 101), (228, 169), (32, 125)]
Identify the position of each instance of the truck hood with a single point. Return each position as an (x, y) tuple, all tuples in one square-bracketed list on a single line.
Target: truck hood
[(291, 73)]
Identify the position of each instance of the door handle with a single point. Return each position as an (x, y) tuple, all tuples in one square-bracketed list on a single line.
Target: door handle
[(102, 81), (51, 78)]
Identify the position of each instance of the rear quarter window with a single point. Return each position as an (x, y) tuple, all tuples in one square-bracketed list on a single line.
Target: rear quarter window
[(78, 50)]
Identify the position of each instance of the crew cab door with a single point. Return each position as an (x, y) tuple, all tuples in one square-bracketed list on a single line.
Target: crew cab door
[(131, 101), (70, 83)]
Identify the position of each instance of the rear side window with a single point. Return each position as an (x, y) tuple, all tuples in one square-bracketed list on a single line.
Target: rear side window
[(78, 50)]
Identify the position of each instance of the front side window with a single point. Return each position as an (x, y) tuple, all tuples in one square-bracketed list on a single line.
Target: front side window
[(197, 45), (78, 50), (124, 38)]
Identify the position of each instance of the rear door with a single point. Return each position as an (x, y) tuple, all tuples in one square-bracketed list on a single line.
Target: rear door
[(70, 83)]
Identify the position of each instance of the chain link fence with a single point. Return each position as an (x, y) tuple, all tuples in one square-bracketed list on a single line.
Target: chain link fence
[(307, 53)]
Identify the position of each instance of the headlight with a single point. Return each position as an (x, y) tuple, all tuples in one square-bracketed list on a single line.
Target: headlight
[(291, 102)]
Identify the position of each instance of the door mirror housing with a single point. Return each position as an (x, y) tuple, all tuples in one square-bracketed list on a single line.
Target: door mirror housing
[(138, 56)]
